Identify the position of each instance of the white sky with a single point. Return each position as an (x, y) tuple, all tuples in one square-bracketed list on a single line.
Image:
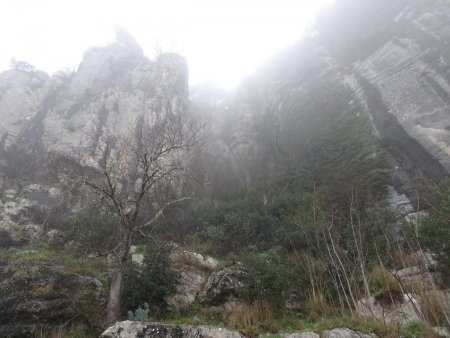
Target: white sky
[(223, 40)]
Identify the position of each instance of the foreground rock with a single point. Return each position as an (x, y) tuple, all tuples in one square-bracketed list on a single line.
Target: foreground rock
[(303, 335), (129, 329), (36, 295), (346, 333)]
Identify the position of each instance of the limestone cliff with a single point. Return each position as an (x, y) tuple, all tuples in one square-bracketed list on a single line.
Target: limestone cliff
[(381, 62), (112, 92)]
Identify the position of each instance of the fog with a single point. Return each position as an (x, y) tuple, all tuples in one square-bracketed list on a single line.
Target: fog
[(223, 40)]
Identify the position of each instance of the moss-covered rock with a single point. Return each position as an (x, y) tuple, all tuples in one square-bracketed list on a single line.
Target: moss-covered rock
[(37, 295)]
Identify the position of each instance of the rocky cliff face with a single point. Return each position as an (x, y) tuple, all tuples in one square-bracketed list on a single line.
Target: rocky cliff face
[(405, 86), (389, 64), (378, 62), (114, 90)]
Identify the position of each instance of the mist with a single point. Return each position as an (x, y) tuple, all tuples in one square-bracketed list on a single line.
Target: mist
[(223, 41)]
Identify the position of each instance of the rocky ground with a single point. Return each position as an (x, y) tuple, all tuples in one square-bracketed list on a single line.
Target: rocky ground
[(130, 329)]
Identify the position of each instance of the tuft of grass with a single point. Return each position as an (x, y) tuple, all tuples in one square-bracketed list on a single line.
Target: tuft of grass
[(79, 331), (382, 280), (5, 198), (416, 330), (40, 251)]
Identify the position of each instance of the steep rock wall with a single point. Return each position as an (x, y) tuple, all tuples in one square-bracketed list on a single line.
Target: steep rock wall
[(113, 91), (384, 61)]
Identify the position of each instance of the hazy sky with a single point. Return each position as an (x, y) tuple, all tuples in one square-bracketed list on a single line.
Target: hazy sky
[(223, 40)]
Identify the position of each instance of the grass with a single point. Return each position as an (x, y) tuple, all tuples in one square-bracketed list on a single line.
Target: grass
[(5, 198), (78, 331), (40, 251), (276, 323)]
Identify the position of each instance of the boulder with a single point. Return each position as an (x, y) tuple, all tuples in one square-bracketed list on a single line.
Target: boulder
[(419, 278), (37, 295), (346, 333), (15, 218), (222, 286), (302, 335), (130, 329), (294, 335), (400, 312), (193, 269)]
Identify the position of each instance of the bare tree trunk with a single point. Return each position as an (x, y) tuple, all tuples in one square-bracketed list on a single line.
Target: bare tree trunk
[(115, 292), (113, 308)]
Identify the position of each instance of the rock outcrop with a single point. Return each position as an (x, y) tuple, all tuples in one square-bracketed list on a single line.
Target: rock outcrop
[(129, 329), (37, 294), (223, 285), (388, 65), (23, 213), (193, 270), (53, 125), (409, 309), (114, 91)]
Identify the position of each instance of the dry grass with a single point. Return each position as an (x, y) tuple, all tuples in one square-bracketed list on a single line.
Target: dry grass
[(435, 305), (318, 307), (381, 280), (66, 332), (245, 315)]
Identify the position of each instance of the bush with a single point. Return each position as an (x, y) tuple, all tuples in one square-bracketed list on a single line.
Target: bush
[(415, 330), (140, 314), (150, 282), (381, 280), (269, 277), (90, 231), (434, 233), (235, 223)]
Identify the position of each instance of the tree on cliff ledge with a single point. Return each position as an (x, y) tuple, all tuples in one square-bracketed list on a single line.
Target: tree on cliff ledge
[(138, 178)]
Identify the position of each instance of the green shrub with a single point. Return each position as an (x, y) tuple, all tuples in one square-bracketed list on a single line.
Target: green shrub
[(381, 280), (140, 314), (93, 232), (415, 330), (150, 282), (236, 222), (434, 233), (269, 277)]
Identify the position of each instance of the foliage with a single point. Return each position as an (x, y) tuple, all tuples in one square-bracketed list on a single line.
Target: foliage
[(434, 233), (73, 331), (90, 231), (382, 280), (247, 315), (236, 222), (5, 198), (150, 282), (415, 330), (41, 251), (140, 314), (269, 277)]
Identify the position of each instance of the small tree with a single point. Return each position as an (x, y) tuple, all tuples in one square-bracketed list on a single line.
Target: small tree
[(143, 172)]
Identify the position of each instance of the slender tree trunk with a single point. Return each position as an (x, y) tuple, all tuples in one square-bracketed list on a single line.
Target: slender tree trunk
[(114, 300), (115, 292)]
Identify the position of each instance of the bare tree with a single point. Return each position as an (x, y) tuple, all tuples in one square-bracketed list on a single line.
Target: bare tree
[(143, 171)]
